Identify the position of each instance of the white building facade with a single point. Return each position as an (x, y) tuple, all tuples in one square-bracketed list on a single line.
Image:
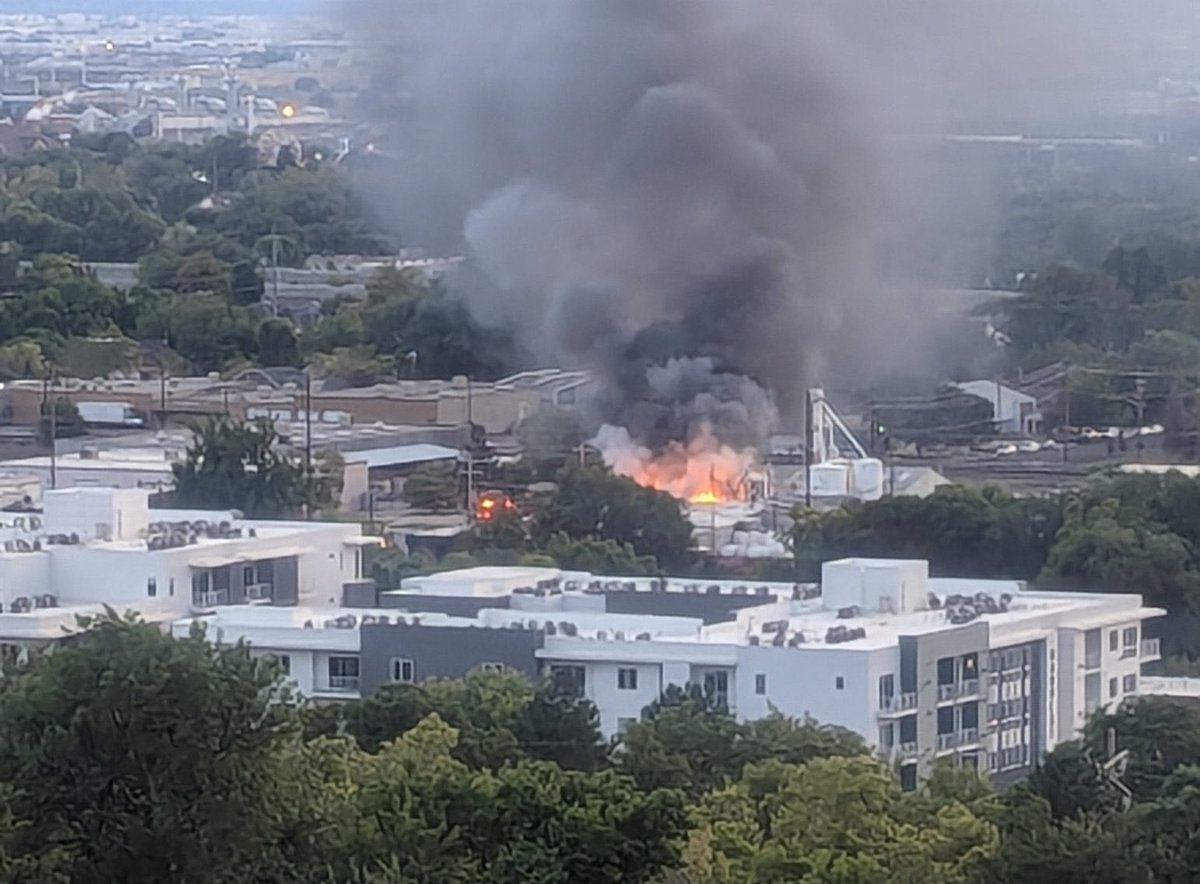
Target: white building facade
[(985, 673), (97, 548)]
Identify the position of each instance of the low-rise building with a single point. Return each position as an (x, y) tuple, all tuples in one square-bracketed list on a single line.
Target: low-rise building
[(1013, 412), (987, 673), (92, 549)]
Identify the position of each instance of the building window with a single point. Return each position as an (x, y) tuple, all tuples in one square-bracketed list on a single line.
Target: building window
[(572, 680), (1129, 684), (284, 661), (1113, 640), (171, 586), (908, 777), (343, 673), (624, 724), (1129, 642), (839, 683), (760, 684), (887, 738), (887, 690), (1112, 687), (627, 679), (152, 588), (403, 669)]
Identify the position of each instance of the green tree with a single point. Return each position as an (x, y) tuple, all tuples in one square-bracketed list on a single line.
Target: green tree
[(23, 359), (1095, 549), (232, 465), (132, 756), (203, 273), (433, 487), (278, 344), (592, 502), (832, 820), (65, 423)]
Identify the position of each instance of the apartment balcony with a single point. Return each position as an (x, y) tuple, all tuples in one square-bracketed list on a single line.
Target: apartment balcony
[(946, 742), (968, 736), (897, 704), (1151, 650), (908, 750), (259, 592), (343, 684), (958, 690), (211, 599)]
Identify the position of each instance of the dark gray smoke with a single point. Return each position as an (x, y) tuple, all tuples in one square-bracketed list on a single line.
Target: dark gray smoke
[(697, 198)]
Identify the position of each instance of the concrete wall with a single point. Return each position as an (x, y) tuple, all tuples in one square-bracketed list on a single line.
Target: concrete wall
[(710, 608), (805, 683), (444, 652)]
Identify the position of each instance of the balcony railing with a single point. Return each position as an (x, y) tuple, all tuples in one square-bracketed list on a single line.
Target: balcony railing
[(343, 683), (210, 599), (969, 736), (946, 741), (898, 703), (967, 688), (259, 592), (1151, 650), (908, 750)]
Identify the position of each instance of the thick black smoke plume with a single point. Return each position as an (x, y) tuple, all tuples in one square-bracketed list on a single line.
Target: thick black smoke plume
[(690, 196), (676, 193)]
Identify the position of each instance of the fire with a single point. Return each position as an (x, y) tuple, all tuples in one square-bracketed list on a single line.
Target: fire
[(492, 503), (703, 472)]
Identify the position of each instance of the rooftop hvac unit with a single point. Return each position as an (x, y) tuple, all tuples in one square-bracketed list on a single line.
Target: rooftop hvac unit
[(796, 640), (848, 613), (601, 635), (713, 589), (779, 639), (619, 636), (935, 603), (754, 641), (761, 591), (550, 628), (739, 590), (368, 619), (643, 636), (774, 626)]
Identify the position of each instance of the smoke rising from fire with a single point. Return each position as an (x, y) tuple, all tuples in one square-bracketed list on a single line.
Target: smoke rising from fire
[(675, 193), (698, 199)]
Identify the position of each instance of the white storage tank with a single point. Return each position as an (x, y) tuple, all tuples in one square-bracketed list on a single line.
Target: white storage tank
[(866, 478), (830, 479)]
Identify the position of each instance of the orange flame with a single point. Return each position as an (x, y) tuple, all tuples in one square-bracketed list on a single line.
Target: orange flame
[(703, 472)]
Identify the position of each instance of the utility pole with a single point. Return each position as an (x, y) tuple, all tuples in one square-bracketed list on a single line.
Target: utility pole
[(308, 464), (274, 274), (53, 437), (808, 447), (1066, 394)]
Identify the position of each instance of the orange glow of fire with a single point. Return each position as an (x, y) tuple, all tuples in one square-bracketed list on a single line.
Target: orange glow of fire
[(703, 472)]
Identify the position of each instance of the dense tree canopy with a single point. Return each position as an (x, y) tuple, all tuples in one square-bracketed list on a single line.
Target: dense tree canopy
[(232, 465), (131, 756)]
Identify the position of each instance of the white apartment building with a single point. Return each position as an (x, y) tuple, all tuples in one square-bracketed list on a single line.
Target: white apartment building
[(93, 548), (987, 673)]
